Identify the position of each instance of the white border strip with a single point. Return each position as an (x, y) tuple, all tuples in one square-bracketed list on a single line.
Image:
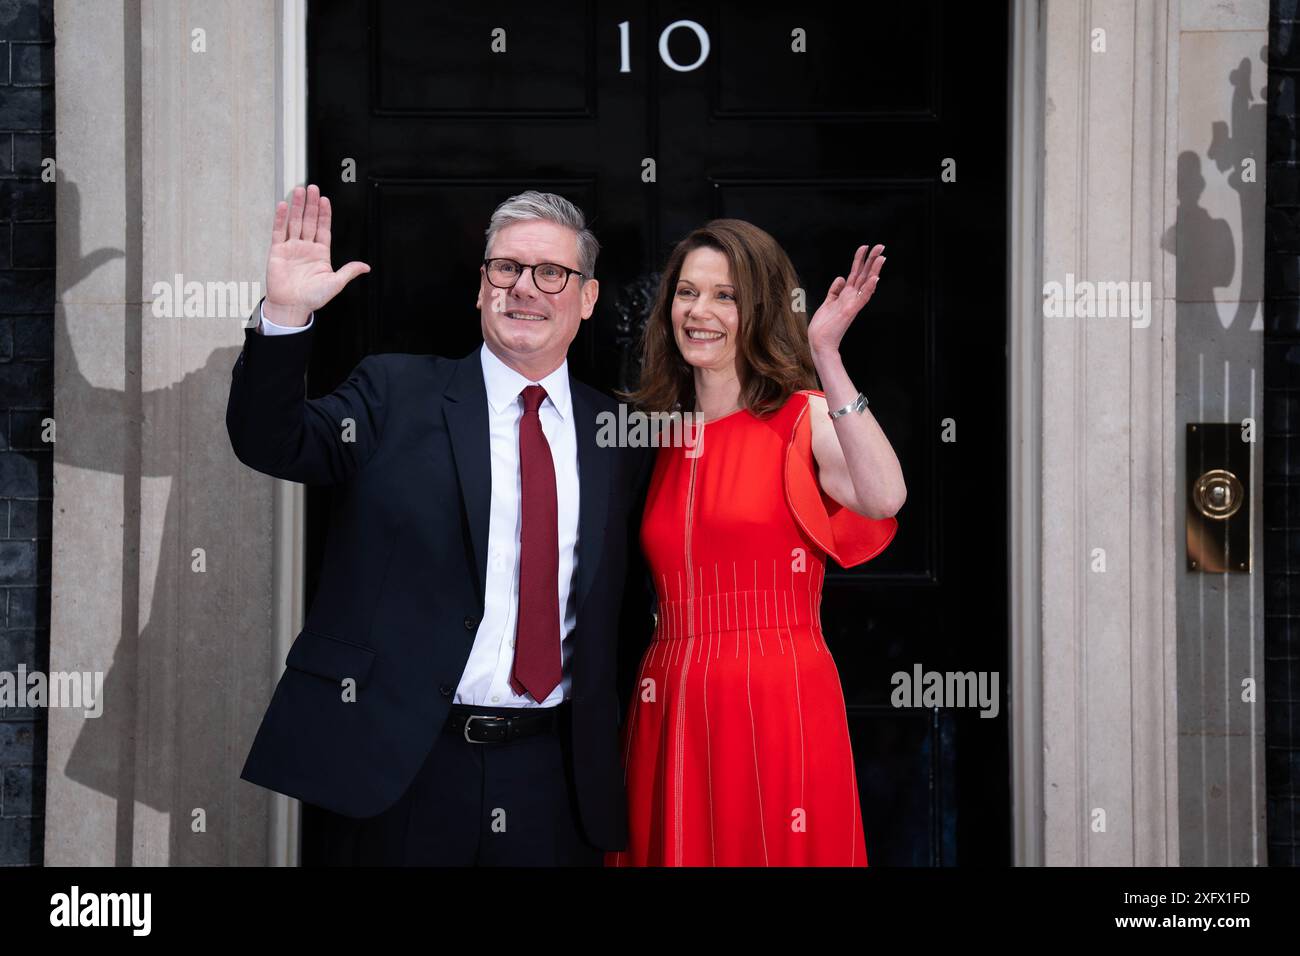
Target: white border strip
[(288, 546)]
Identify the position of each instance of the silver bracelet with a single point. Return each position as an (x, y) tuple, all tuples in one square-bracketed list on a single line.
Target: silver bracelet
[(858, 405)]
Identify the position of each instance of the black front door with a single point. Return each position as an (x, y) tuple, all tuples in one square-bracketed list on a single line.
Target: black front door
[(827, 125)]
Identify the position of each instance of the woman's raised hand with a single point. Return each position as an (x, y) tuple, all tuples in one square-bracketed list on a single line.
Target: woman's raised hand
[(845, 299)]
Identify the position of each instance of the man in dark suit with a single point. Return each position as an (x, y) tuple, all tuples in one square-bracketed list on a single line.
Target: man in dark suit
[(451, 698)]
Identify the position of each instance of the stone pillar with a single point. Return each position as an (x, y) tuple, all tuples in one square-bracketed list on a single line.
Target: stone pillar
[(1109, 477), (1218, 235), (1149, 754), (165, 576)]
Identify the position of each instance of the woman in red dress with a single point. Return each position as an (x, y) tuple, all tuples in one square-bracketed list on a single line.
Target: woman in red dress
[(736, 743)]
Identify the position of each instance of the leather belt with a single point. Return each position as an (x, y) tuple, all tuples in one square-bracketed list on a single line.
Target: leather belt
[(480, 728)]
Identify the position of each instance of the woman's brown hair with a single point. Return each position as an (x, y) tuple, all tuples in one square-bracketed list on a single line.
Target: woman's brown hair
[(773, 357)]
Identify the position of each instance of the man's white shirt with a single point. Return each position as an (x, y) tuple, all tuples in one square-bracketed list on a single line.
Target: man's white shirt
[(486, 679), (270, 328)]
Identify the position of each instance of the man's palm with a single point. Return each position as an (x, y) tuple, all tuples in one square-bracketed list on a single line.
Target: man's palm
[(299, 278), (299, 275)]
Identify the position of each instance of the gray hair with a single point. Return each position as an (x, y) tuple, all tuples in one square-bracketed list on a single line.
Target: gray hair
[(532, 205)]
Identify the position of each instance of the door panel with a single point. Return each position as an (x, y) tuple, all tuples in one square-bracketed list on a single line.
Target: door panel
[(841, 144)]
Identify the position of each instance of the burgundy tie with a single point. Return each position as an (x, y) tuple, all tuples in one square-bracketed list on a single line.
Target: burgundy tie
[(537, 665)]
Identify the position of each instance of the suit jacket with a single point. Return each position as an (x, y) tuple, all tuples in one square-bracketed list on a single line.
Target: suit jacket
[(401, 589)]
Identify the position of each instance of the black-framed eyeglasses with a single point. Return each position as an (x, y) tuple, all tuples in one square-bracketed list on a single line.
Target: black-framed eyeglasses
[(547, 276)]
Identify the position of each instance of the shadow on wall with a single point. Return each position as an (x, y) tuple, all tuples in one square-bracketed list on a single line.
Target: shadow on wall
[(1219, 379), (150, 667), (1210, 248)]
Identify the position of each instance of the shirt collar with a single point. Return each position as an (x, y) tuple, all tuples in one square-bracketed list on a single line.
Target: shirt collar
[(504, 384)]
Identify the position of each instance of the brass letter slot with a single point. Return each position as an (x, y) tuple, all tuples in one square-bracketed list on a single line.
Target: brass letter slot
[(1218, 498)]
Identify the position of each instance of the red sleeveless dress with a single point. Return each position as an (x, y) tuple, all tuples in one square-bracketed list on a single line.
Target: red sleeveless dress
[(736, 746)]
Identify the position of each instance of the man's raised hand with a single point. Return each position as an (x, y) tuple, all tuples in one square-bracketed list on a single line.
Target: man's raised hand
[(299, 278)]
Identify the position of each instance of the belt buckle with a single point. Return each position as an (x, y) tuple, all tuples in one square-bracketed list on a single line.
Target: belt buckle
[(472, 717)]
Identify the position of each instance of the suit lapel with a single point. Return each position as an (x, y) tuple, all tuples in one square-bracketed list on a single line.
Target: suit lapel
[(466, 413), (593, 490)]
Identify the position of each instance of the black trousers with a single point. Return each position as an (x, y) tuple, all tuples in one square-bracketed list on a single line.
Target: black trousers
[(470, 804)]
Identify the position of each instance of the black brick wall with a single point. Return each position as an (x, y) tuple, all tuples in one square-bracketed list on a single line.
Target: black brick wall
[(26, 396), (1281, 439)]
